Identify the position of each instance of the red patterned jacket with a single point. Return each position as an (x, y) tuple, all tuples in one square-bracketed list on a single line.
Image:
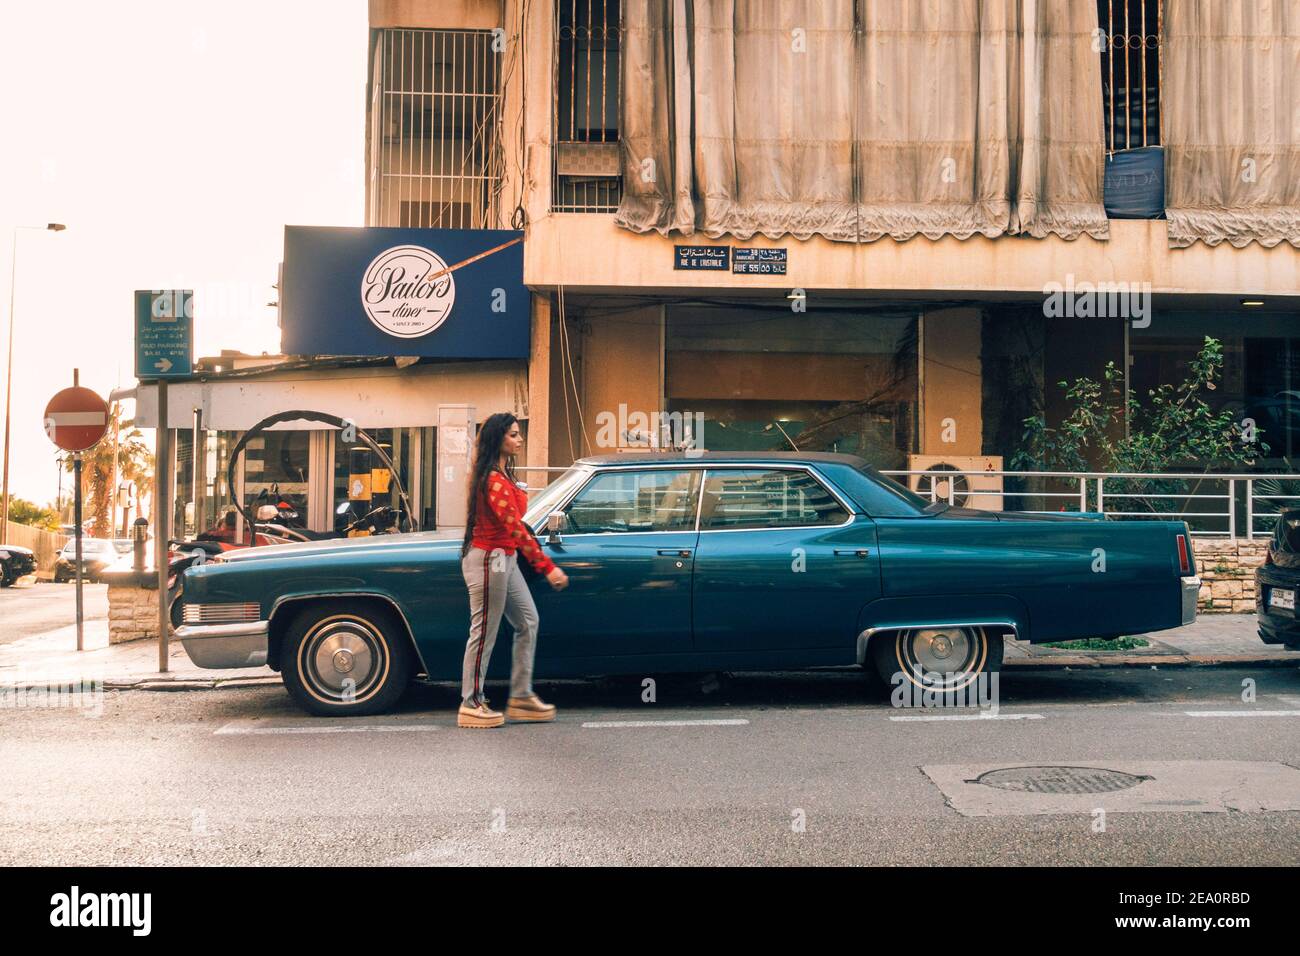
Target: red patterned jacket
[(499, 522)]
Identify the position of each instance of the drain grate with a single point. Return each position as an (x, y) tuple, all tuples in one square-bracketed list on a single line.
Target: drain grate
[(1059, 779)]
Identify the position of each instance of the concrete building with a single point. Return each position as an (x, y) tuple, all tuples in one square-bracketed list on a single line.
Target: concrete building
[(681, 290)]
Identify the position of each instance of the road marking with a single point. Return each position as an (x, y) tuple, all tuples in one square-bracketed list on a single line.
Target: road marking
[(968, 717), (1242, 713), (664, 723), (240, 729)]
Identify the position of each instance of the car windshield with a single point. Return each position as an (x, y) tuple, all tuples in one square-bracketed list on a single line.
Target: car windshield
[(542, 502)]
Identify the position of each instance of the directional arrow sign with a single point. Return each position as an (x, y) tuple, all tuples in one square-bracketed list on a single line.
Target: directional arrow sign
[(164, 334)]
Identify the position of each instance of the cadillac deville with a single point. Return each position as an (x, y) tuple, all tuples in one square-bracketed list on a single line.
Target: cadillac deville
[(714, 561)]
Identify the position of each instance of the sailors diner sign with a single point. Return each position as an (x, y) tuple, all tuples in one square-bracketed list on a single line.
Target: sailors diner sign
[(438, 293)]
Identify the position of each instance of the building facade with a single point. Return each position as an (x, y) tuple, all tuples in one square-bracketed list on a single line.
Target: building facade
[(889, 230)]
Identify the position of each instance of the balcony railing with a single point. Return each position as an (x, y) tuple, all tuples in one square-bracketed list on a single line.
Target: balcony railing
[(1227, 505), (1231, 505)]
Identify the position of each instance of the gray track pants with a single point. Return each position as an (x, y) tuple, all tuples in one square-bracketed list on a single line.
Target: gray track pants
[(496, 587)]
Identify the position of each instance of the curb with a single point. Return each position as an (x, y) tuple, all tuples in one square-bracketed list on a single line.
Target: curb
[(1155, 660), (142, 683), (1054, 662)]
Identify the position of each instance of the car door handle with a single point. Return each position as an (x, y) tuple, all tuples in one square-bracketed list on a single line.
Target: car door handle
[(852, 552), (676, 552)]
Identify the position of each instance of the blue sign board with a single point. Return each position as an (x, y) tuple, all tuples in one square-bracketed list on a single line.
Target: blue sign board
[(438, 293), (701, 257), (164, 333), (750, 261)]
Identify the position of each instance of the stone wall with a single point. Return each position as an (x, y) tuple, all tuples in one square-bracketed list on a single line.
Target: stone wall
[(1227, 569), (132, 613)]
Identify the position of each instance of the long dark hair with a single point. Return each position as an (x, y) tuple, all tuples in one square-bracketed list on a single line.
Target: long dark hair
[(487, 453)]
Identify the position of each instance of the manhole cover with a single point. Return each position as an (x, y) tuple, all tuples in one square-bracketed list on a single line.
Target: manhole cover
[(1059, 779)]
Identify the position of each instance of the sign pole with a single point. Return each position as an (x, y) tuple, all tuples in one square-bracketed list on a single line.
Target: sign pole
[(162, 524), (76, 520), (75, 420)]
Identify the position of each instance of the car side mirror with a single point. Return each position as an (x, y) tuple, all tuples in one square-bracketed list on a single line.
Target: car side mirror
[(554, 524), (267, 513)]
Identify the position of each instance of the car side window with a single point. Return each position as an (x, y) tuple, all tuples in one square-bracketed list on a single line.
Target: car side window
[(623, 501), (766, 498)]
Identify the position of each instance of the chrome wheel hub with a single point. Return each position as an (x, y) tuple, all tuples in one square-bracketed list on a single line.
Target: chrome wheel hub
[(942, 658), (343, 658)]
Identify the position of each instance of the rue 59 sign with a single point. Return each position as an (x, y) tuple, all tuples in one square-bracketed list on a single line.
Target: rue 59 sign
[(441, 293)]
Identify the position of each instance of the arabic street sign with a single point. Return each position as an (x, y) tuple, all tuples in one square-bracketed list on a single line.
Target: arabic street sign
[(164, 333)]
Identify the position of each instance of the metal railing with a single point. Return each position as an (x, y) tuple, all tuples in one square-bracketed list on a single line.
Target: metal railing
[(435, 112), (586, 161), (1231, 505), (1131, 71)]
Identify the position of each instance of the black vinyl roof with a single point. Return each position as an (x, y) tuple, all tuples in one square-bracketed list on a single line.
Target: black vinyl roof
[(653, 457)]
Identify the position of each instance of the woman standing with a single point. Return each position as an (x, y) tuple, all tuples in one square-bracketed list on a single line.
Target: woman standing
[(494, 533)]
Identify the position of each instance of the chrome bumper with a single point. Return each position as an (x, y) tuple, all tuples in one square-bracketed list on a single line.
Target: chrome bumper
[(1191, 591), (215, 646)]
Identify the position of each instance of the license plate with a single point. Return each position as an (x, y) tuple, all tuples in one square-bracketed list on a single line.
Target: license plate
[(1281, 597)]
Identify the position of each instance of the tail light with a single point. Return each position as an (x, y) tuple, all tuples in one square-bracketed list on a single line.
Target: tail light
[(1184, 558)]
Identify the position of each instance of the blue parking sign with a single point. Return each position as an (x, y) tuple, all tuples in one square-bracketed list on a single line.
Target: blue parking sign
[(164, 333)]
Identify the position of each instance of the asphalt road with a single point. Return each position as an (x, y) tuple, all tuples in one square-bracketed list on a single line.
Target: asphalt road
[(45, 606), (791, 769)]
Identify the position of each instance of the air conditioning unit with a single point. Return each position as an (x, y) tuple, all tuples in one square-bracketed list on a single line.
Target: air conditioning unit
[(968, 475)]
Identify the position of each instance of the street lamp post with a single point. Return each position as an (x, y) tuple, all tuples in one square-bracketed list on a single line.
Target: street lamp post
[(9, 373)]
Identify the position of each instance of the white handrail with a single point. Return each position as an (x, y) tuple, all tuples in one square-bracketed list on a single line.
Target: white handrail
[(1250, 504)]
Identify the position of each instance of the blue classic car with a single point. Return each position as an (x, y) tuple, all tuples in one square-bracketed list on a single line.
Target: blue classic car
[(715, 561)]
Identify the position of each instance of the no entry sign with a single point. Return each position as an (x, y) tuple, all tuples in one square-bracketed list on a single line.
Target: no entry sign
[(76, 419)]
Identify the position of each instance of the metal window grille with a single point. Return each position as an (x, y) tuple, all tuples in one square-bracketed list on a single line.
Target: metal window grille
[(1131, 68), (435, 109), (587, 97)]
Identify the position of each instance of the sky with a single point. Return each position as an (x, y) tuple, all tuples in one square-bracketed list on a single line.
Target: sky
[(175, 139)]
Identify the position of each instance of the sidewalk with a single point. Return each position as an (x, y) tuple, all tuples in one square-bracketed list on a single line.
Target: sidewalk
[(1213, 639), (52, 658)]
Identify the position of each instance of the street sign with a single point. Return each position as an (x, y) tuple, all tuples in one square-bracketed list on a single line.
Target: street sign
[(76, 419), (758, 261), (164, 334), (701, 257)]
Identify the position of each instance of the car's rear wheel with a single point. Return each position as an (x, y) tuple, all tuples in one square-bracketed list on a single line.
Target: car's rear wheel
[(941, 659), (343, 657)]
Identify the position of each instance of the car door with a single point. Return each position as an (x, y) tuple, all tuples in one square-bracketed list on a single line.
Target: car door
[(628, 546), (782, 563)]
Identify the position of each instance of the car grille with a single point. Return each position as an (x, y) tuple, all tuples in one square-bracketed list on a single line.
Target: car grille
[(220, 613)]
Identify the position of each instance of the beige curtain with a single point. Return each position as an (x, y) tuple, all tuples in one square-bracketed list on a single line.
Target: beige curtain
[(1231, 101), (855, 119)]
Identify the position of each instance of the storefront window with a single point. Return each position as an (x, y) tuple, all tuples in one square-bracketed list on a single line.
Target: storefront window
[(765, 379), (277, 472), (360, 476), (1260, 379)]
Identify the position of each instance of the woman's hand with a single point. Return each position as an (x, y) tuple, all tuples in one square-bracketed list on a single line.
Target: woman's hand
[(557, 579)]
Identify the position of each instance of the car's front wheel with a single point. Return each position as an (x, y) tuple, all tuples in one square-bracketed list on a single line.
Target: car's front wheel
[(937, 659), (342, 657)]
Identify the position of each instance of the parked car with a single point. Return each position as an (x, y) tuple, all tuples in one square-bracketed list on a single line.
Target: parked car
[(15, 563), (681, 562), (1276, 583), (96, 555)]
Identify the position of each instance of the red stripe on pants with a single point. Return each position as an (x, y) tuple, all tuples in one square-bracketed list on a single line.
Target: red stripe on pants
[(482, 638)]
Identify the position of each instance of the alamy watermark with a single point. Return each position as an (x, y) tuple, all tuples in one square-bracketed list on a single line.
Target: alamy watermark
[(1098, 300)]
